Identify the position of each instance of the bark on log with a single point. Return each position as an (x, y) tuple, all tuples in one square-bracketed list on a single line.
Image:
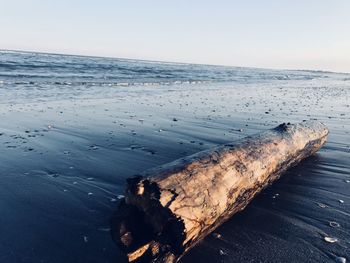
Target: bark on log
[(168, 210)]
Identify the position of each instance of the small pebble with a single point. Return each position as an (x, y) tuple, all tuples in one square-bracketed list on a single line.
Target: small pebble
[(341, 201), (334, 224), (90, 193), (340, 259), (86, 239), (217, 235), (330, 239), (321, 205), (276, 195)]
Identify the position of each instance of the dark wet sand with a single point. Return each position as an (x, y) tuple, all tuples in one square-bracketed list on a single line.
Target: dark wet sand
[(64, 163)]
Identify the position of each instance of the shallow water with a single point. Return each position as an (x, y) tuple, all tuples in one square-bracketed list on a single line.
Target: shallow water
[(74, 128)]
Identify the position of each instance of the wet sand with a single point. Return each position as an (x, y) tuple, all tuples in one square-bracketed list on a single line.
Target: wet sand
[(64, 164)]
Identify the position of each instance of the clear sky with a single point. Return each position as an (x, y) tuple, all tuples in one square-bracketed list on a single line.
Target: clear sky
[(295, 34)]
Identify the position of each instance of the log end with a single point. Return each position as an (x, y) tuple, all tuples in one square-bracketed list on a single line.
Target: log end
[(144, 229)]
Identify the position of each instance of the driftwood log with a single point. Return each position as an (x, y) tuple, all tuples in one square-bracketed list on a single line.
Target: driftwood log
[(168, 210)]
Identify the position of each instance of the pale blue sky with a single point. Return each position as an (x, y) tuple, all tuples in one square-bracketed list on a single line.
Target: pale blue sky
[(296, 34)]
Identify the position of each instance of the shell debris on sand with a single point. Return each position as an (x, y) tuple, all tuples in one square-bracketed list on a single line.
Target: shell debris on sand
[(331, 239), (321, 205), (120, 196), (334, 224)]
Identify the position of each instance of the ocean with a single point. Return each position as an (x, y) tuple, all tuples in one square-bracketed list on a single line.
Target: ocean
[(52, 76)]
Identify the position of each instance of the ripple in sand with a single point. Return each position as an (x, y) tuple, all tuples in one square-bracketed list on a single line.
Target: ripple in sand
[(132, 147), (11, 146), (104, 229), (150, 151), (54, 175), (93, 147)]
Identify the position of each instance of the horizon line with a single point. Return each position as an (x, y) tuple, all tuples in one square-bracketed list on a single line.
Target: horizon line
[(171, 62)]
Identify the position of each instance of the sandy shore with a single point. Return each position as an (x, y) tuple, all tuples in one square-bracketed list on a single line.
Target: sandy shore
[(64, 163)]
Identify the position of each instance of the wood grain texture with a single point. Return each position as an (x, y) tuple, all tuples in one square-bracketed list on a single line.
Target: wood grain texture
[(169, 209)]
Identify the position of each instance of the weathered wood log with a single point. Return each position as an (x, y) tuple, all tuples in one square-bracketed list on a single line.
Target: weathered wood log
[(169, 209)]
